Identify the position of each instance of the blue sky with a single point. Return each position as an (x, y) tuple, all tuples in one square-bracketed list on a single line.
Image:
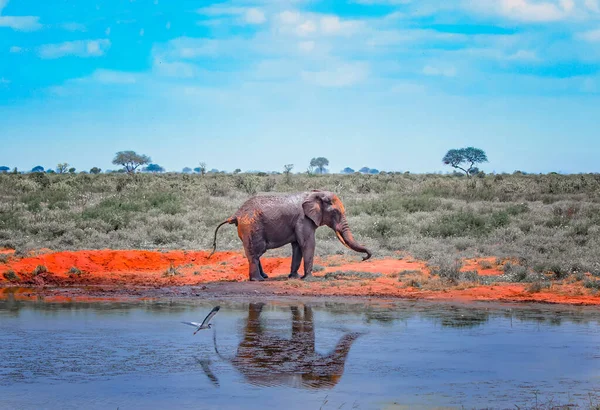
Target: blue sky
[(256, 84)]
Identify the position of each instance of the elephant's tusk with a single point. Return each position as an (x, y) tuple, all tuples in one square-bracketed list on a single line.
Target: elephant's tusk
[(342, 240)]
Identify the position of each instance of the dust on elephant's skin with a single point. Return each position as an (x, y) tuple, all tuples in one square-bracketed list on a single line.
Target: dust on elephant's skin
[(271, 221)]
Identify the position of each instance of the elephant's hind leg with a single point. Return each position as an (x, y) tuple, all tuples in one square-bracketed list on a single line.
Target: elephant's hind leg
[(262, 272), (296, 260), (255, 269)]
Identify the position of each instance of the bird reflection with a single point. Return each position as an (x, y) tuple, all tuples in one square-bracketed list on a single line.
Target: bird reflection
[(268, 360), (205, 364)]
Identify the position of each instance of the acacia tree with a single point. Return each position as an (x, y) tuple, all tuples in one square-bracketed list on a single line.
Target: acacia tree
[(287, 171), (62, 168), (130, 160), (38, 168), (4, 168), (186, 170), (201, 169), (459, 158), (320, 163), (154, 168), (95, 170)]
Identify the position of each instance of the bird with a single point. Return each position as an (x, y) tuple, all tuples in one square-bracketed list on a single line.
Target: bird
[(204, 324)]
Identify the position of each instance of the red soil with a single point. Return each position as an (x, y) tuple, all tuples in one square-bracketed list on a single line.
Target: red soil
[(398, 278)]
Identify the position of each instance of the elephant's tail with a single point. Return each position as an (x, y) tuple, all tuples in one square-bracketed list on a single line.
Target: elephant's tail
[(232, 220)]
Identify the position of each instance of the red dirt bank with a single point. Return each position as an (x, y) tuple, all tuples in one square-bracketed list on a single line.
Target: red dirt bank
[(138, 268)]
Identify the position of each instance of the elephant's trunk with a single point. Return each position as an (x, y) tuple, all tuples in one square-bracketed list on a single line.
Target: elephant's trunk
[(343, 233)]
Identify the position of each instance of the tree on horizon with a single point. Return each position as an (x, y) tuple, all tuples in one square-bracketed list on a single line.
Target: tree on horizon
[(320, 163), (471, 156), (130, 160)]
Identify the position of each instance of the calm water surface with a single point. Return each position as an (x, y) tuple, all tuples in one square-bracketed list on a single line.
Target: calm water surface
[(295, 355)]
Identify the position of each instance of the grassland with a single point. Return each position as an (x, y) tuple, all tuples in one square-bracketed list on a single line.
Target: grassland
[(545, 224)]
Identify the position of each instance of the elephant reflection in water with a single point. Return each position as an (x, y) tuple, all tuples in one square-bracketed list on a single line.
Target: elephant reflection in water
[(268, 360)]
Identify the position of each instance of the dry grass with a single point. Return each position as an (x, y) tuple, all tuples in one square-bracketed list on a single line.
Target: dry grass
[(550, 224)]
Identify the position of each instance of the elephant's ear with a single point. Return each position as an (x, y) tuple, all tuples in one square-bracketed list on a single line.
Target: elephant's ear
[(313, 207)]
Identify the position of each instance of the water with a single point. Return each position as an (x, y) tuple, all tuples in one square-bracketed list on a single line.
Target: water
[(295, 355)]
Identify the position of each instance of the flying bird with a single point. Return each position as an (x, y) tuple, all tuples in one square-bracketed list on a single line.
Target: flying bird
[(204, 324)]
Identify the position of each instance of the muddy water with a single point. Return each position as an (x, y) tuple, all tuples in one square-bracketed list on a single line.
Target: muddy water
[(295, 355)]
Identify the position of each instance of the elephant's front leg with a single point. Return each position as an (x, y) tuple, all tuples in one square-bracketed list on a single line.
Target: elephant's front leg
[(296, 260), (308, 254)]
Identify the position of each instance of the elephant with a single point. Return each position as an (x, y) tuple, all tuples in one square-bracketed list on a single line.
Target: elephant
[(267, 360), (272, 221)]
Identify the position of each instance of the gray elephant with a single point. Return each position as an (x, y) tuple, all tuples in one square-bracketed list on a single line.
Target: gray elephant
[(271, 221), (267, 360)]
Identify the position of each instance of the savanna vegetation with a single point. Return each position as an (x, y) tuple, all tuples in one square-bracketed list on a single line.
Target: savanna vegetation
[(545, 224)]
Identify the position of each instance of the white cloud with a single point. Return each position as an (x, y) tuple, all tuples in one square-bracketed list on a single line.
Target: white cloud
[(448, 71), (592, 36), (168, 25), (113, 77), (289, 17), (19, 23), (342, 75), (107, 31), (255, 16), (142, 33), (306, 28), (593, 5), (309, 24), (524, 10), (306, 46), (245, 15), (4, 81), (523, 55), (74, 27), (175, 69), (16, 49), (188, 48), (80, 48)]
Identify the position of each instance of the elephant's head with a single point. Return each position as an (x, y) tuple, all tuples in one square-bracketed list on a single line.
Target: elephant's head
[(325, 208)]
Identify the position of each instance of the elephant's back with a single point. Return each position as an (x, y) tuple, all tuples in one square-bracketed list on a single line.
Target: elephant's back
[(261, 203)]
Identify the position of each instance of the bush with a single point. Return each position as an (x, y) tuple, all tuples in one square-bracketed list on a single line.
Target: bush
[(592, 284), (538, 286), (172, 271), (247, 183), (11, 276), (75, 271), (461, 223), (39, 270), (216, 189)]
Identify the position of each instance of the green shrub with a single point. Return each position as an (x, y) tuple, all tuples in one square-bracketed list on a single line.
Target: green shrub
[(538, 286), (39, 270), (172, 271), (592, 284), (517, 209), (11, 276), (75, 271), (461, 223)]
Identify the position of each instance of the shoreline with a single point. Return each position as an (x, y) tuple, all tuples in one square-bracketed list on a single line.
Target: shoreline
[(141, 274)]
